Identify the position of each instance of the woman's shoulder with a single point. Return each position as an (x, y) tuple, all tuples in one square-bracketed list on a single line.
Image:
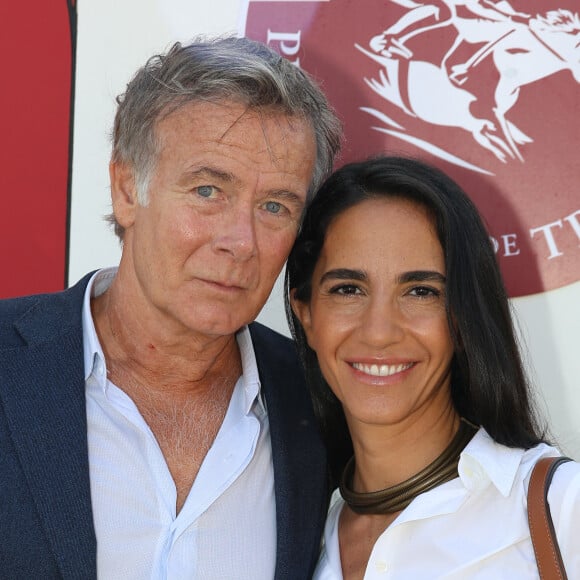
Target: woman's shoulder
[(563, 497), (564, 502), (564, 492), (566, 471), (567, 475), (512, 467)]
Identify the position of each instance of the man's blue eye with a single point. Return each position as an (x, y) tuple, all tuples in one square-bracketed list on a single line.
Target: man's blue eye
[(273, 206), (205, 190)]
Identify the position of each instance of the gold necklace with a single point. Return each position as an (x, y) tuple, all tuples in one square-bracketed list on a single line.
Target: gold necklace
[(398, 497)]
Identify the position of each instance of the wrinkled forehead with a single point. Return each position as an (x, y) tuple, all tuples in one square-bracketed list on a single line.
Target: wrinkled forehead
[(241, 108), (232, 121)]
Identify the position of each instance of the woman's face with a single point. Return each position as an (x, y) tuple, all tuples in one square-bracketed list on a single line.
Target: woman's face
[(377, 317)]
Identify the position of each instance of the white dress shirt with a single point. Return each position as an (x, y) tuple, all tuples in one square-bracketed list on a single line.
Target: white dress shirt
[(473, 527), (226, 528)]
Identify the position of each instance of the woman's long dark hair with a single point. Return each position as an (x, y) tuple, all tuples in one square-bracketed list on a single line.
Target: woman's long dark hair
[(488, 383)]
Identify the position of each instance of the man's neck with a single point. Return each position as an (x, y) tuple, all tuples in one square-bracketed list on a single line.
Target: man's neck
[(139, 351)]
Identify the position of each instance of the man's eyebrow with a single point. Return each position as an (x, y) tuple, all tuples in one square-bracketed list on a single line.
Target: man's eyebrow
[(209, 172), (344, 274), (290, 196), (421, 276)]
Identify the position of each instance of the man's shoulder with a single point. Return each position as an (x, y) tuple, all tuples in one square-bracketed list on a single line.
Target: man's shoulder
[(275, 353), (272, 343), (56, 309)]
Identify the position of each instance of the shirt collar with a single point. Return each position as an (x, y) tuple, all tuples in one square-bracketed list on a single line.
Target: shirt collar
[(483, 461), (94, 359), (250, 376)]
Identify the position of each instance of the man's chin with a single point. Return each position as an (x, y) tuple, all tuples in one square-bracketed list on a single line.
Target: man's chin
[(215, 327)]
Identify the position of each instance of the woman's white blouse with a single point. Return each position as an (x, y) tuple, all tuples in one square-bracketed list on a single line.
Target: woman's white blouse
[(473, 527)]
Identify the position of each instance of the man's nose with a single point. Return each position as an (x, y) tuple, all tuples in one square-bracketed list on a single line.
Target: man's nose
[(238, 234)]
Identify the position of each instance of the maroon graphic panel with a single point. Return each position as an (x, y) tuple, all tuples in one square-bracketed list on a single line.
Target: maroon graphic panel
[(488, 91), (37, 44)]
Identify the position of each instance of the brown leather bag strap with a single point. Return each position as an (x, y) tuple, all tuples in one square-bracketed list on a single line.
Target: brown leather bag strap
[(548, 557)]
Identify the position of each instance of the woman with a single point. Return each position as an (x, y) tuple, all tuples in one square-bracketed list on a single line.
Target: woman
[(404, 327)]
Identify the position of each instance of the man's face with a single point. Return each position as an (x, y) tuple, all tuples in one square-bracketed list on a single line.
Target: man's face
[(225, 201)]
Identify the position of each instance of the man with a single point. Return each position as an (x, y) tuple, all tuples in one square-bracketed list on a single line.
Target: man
[(145, 430)]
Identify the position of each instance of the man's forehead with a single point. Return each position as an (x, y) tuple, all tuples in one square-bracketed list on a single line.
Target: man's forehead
[(222, 117), (230, 128)]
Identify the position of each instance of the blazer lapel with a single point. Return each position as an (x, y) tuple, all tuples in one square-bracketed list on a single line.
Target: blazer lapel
[(44, 401), (298, 456)]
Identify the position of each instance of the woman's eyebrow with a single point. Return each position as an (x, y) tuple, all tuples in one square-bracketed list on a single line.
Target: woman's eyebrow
[(405, 277), (344, 274), (421, 276)]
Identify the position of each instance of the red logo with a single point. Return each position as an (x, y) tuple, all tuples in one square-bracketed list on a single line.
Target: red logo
[(488, 91)]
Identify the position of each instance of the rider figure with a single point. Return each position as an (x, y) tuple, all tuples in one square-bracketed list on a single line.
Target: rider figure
[(434, 14)]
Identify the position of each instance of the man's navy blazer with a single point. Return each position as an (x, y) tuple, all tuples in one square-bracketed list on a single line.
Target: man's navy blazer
[(46, 523)]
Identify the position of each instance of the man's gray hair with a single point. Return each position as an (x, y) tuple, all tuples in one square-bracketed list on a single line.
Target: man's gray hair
[(228, 68)]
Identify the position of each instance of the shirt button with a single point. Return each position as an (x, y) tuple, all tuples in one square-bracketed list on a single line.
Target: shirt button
[(381, 566)]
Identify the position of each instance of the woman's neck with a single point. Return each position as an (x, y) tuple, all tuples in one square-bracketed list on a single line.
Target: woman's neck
[(386, 455)]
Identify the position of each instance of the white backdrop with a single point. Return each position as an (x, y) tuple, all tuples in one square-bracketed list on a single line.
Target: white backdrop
[(114, 39)]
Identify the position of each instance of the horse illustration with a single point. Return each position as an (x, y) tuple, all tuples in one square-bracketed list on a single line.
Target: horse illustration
[(523, 52), (550, 44)]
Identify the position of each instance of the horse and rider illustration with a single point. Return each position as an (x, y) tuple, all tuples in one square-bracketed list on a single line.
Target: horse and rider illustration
[(523, 48)]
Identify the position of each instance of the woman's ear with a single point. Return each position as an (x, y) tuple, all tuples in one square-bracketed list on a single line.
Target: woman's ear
[(301, 310)]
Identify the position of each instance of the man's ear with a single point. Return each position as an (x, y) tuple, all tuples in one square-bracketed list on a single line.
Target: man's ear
[(123, 193), (302, 312)]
